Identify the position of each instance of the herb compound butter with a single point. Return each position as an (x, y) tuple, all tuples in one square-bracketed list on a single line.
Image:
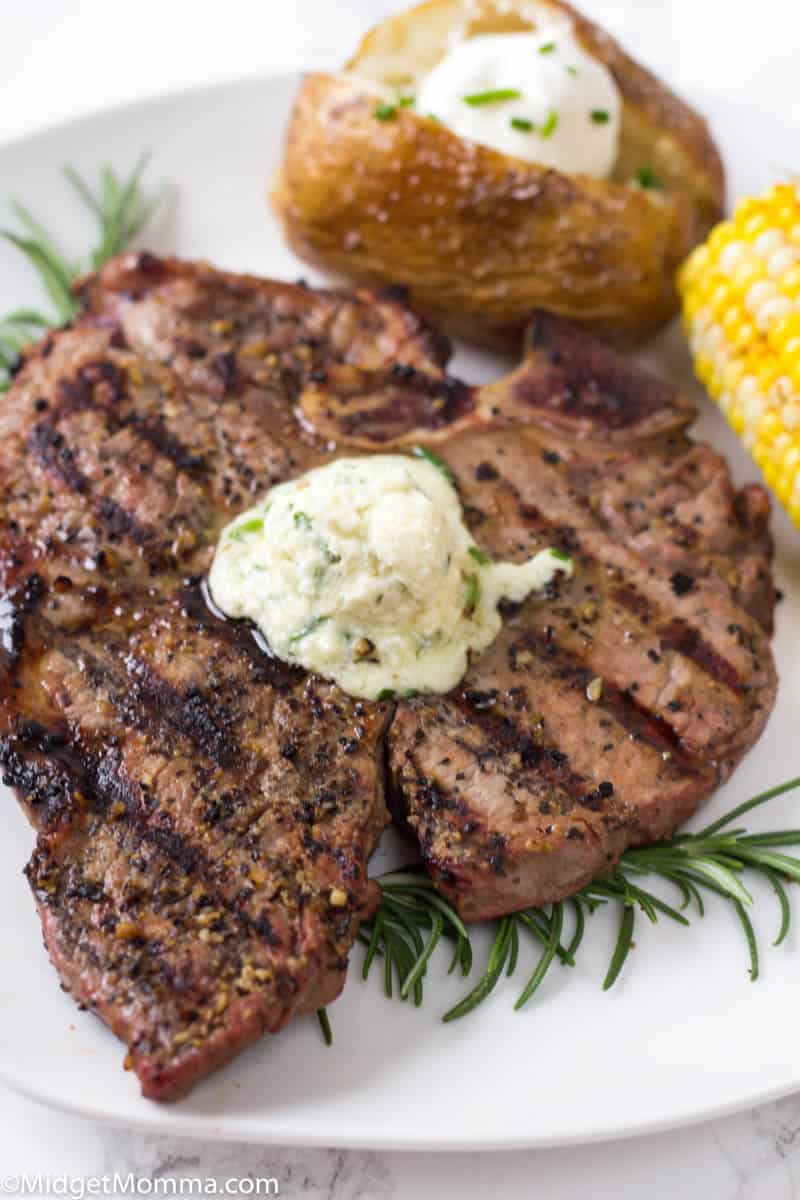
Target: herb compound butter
[(363, 571)]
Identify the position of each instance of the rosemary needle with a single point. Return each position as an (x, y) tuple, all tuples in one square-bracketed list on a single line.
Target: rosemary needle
[(325, 1026), (580, 927), (622, 948), (783, 900), (547, 957)]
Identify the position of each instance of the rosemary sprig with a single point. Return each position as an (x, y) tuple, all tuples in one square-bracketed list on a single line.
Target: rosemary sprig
[(121, 210), (413, 918)]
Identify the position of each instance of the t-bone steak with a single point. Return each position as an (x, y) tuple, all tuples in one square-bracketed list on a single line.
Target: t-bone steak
[(205, 813)]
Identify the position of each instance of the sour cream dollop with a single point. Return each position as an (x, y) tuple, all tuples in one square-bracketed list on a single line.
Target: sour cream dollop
[(364, 571), (537, 96)]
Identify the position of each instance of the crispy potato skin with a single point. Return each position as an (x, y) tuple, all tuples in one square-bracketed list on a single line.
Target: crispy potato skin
[(480, 239)]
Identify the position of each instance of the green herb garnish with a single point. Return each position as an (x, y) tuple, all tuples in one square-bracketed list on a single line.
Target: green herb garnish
[(325, 1026), (547, 48), (522, 123), (413, 918), (479, 556), (121, 210), (495, 97), (561, 555), (646, 178), (252, 526), (572, 70), (406, 101), (473, 592), (385, 112), (386, 694), (435, 461), (550, 125), (600, 116), (312, 625), (302, 520)]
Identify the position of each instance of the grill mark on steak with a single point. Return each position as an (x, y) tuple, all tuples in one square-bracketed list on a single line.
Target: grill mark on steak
[(49, 447), (504, 737), (154, 431), (85, 779), (677, 635), (44, 787), (189, 712), (641, 722), (689, 642), (186, 857)]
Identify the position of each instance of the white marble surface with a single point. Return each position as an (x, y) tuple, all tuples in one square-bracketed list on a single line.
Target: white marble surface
[(62, 57)]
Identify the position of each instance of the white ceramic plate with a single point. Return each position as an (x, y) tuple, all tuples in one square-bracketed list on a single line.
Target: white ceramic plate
[(684, 1035)]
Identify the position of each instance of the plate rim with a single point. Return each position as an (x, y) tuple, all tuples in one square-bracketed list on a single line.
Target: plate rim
[(200, 1127), (167, 94)]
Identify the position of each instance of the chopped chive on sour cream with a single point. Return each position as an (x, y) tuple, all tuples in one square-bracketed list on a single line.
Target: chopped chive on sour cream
[(364, 571), (538, 96)]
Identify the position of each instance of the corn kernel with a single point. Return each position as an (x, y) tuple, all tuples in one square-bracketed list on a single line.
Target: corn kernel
[(737, 423), (760, 454), (746, 274), (784, 489), (790, 460), (703, 367), (732, 375), (766, 374), (754, 225), (770, 426), (745, 338), (783, 330), (786, 215), (791, 416), (720, 237)]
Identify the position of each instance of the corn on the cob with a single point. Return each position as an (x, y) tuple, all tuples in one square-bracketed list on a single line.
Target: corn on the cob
[(741, 308)]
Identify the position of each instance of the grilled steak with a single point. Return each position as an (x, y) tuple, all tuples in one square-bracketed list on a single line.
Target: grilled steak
[(204, 812)]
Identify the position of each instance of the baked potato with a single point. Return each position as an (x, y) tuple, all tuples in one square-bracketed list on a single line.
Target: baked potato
[(479, 238)]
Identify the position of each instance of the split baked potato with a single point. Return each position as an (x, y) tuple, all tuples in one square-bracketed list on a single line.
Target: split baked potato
[(478, 238)]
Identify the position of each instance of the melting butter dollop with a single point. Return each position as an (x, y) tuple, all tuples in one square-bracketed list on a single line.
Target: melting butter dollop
[(364, 572)]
